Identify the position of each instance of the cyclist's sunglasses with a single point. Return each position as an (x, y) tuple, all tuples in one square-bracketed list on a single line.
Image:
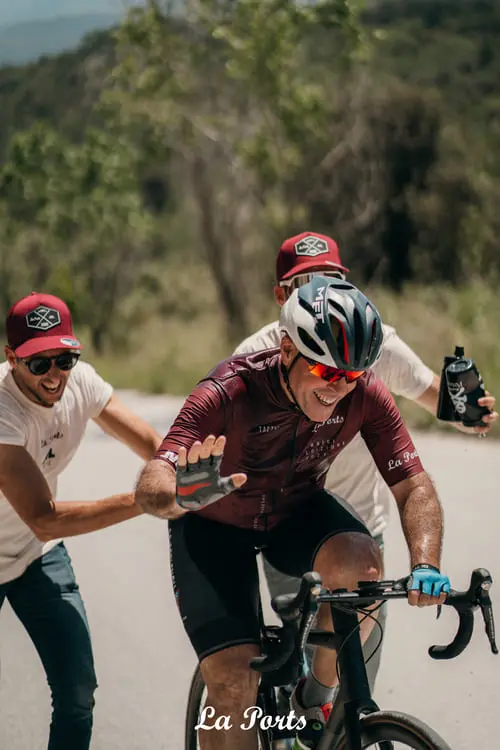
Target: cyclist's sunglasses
[(304, 278), (333, 374), (41, 365)]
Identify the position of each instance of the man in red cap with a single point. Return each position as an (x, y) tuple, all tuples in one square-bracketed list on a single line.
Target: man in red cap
[(353, 475), (47, 397)]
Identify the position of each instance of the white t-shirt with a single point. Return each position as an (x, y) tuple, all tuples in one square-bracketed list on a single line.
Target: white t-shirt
[(51, 436), (353, 475)]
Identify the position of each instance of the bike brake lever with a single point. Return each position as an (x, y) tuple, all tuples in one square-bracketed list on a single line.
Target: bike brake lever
[(489, 624)]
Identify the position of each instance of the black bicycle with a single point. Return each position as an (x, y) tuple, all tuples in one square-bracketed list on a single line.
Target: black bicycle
[(356, 722)]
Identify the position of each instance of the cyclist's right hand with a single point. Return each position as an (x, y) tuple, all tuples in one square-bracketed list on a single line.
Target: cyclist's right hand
[(198, 480)]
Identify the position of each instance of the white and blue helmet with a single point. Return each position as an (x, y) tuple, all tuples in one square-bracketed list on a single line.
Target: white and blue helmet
[(331, 322)]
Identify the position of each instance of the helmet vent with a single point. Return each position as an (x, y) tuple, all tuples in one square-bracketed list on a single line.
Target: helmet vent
[(336, 306), (359, 336), (308, 341)]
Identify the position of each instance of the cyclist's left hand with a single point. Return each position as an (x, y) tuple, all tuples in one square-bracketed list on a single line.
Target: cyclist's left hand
[(490, 402), (427, 587)]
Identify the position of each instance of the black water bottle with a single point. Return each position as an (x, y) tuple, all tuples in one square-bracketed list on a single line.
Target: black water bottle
[(465, 387), (445, 410)]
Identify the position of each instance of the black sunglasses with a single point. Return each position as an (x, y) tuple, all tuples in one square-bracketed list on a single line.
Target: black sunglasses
[(40, 365)]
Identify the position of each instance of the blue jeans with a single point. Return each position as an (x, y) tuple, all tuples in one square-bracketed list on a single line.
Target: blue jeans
[(47, 601)]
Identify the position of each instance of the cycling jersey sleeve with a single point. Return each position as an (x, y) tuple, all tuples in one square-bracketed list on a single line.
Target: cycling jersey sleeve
[(202, 414), (386, 436)]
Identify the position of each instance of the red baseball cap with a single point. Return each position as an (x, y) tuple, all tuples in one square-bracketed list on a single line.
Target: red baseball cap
[(39, 322), (307, 251)]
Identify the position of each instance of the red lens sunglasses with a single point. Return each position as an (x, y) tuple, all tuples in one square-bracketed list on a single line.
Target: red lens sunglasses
[(333, 374)]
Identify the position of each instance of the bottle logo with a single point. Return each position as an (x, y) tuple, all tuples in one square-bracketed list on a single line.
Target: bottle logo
[(458, 397)]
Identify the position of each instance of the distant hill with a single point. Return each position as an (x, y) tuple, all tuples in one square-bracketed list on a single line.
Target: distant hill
[(19, 11), (27, 41)]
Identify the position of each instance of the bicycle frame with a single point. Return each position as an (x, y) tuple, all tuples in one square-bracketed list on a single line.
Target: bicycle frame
[(354, 700), (355, 696)]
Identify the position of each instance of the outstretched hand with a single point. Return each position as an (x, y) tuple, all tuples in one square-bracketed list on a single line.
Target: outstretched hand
[(198, 479), (489, 401)]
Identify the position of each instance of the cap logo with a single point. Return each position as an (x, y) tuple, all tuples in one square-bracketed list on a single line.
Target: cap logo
[(311, 246), (43, 318)]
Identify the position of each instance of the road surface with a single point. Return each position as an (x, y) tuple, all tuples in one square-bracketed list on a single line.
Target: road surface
[(144, 661)]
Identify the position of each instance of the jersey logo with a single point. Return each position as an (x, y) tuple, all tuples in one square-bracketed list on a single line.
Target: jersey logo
[(311, 246), (48, 458), (43, 318), (396, 463), (265, 428)]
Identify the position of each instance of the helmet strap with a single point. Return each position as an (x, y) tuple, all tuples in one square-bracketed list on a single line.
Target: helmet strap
[(286, 379)]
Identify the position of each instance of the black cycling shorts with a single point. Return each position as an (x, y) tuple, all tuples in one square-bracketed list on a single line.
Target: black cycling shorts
[(214, 567)]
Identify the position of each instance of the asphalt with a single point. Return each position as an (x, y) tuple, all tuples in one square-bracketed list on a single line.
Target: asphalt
[(144, 661)]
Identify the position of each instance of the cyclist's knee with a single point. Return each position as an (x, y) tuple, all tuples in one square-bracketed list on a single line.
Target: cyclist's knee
[(349, 557), (229, 679)]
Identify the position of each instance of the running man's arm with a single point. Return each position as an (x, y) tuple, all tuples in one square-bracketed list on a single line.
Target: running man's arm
[(120, 422), (429, 401), (26, 489), (405, 374)]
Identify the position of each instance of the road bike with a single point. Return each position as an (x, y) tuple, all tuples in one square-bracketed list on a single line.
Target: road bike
[(356, 722)]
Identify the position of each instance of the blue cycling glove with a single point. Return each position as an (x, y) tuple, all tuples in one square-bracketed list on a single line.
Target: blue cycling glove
[(429, 580)]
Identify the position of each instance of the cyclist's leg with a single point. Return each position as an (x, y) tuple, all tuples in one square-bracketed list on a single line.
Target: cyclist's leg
[(47, 601), (328, 536), (214, 572), (280, 583)]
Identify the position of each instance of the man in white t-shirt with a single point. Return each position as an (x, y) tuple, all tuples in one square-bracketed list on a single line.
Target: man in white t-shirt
[(353, 475), (47, 398)]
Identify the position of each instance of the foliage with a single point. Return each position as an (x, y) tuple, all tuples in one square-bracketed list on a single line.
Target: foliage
[(173, 156), (74, 213)]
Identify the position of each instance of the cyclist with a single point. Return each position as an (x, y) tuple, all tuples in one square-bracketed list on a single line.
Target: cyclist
[(355, 476), (271, 423), (47, 397)]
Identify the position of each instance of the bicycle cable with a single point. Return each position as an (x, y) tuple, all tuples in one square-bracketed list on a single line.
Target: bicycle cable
[(366, 614)]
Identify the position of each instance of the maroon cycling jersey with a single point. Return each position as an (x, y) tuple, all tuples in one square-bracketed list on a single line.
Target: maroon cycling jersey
[(281, 451)]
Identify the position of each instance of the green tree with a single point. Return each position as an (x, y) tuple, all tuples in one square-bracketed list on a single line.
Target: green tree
[(78, 215), (229, 94)]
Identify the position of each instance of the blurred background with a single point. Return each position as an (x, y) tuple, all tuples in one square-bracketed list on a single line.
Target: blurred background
[(154, 155)]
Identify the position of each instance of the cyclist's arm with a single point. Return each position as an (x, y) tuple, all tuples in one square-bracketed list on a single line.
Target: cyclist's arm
[(26, 489), (397, 460), (202, 414), (120, 422), (156, 490), (421, 518)]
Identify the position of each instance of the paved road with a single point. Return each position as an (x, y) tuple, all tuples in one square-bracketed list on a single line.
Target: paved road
[(144, 661)]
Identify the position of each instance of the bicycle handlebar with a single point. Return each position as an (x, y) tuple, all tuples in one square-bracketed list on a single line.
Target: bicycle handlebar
[(301, 607)]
